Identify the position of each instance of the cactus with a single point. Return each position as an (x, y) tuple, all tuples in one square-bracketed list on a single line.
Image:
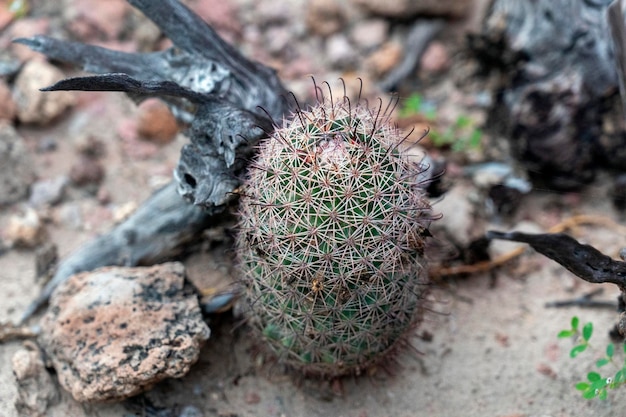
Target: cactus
[(331, 240)]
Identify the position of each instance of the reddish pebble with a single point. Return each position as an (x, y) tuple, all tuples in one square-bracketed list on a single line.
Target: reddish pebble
[(86, 171), (155, 122)]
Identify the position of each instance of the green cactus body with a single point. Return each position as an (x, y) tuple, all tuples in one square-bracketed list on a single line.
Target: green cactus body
[(331, 242)]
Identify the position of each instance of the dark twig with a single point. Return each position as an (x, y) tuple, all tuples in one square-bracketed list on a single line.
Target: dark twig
[(584, 261), (585, 301)]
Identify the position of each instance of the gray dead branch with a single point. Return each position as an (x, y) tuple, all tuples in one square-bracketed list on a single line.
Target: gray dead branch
[(229, 104)]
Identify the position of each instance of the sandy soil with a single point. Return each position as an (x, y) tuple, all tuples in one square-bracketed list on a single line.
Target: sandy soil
[(493, 351), (488, 348)]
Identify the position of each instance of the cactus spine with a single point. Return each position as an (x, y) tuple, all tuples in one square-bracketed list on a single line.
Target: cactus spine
[(332, 228)]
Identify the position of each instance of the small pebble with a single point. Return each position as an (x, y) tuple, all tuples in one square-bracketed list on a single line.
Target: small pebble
[(155, 122), (324, 17), (384, 59), (339, 52), (96, 20), (278, 38), (435, 59), (103, 196), (89, 146), (369, 34), (86, 171), (36, 390), (122, 212), (38, 107), (25, 230), (47, 192)]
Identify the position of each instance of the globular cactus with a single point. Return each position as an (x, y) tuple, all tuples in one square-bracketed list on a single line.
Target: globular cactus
[(331, 241)]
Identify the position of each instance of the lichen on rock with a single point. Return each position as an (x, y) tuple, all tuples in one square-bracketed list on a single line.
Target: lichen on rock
[(114, 332)]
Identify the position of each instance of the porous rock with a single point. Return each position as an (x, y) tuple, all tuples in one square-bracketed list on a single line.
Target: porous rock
[(34, 106), (16, 168), (408, 8), (36, 390), (116, 331)]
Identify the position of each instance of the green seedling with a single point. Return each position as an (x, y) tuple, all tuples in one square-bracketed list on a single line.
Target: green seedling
[(596, 385), (461, 136)]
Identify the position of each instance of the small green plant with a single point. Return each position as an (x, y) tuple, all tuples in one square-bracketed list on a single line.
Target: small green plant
[(596, 385), (462, 135)]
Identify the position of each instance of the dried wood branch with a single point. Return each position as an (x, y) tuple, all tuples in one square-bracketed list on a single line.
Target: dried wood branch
[(229, 103)]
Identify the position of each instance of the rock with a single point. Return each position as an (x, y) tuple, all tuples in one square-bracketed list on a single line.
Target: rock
[(384, 59), (47, 192), (324, 17), (34, 106), (266, 13), (339, 52), (220, 14), (95, 19), (114, 332), (16, 168), (89, 146), (36, 390), (7, 105), (435, 59), (406, 9), (369, 34), (69, 215), (458, 216), (25, 230), (278, 38), (155, 122), (86, 171)]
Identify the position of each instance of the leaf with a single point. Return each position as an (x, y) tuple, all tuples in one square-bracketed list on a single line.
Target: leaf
[(475, 139), (601, 362), (589, 394), (564, 334), (587, 331), (619, 377), (582, 386), (575, 322), (462, 121), (412, 105), (602, 395), (576, 350), (593, 376), (610, 350)]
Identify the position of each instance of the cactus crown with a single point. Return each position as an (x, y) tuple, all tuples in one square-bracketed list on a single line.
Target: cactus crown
[(331, 242)]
